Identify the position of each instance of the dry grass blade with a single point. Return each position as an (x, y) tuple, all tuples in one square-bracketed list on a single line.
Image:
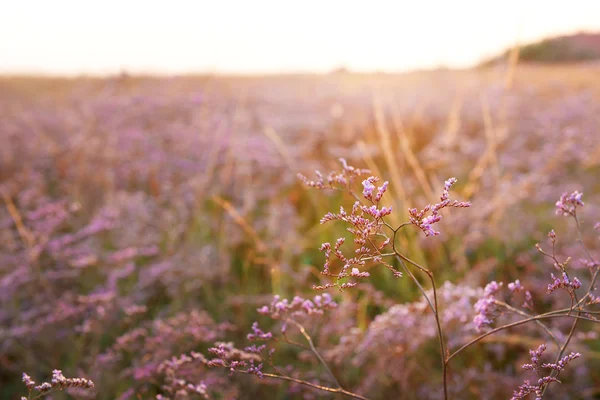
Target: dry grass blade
[(280, 146), (24, 233), (454, 122), (489, 158), (276, 139), (233, 213), (390, 159), (411, 157), (513, 60)]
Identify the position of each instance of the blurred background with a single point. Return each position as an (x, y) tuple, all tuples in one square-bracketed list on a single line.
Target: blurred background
[(149, 198)]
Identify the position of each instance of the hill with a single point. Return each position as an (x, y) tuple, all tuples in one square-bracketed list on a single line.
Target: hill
[(561, 49)]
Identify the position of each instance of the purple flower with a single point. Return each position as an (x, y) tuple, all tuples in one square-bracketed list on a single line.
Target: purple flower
[(298, 307), (568, 203), (425, 223), (565, 283), (28, 381), (515, 286), (492, 288), (369, 187), (258, 333), (543, 381), (357, 274), (486, 306)]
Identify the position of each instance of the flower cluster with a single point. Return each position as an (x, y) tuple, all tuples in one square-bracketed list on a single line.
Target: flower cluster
[(369, 188), (517, 287), (58, 382), (189, 376), (543, 381), (298, 307), (175, 385), (486, 307), (336, 180), (561, 364), (425, 223), (564, 283), (568, 203), (227, 356), (255, 358), (258, 334), (366, 222), (404, 329)]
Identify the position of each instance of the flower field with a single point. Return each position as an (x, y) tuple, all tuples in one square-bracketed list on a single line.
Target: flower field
[(169, 238)]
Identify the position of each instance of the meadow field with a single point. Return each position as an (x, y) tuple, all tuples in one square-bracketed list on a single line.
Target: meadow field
[(147, 224)]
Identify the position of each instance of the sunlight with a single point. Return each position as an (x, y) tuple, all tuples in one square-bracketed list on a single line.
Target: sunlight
[(267, 36)]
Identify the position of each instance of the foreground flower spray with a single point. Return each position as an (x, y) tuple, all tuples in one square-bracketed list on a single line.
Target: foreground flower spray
[(375, 245)]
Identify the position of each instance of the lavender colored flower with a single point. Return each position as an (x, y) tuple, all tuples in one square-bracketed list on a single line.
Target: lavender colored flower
[(565, 283), (486, 306), (536, 366), (552, 236), (560, 365), (356, 273), (515, 286), (255, 349), (298, 307), (568, 203), (341, 180), (369, 187), (58, 382), (258, 334), (425, 223), (256, 369), (30, 383)]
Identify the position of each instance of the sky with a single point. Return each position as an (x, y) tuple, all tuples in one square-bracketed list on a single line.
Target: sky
[(70, 37)]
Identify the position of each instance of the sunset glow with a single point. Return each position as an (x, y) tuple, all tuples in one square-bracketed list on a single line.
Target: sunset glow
[(266, 36)]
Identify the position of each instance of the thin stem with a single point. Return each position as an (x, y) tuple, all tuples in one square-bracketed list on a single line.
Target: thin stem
[(293, 343), (380, 255), (595, 275), (574, 325), (526, 315), (434, 308), (313, 385), (314, 350), (552, 314), (580, 239)]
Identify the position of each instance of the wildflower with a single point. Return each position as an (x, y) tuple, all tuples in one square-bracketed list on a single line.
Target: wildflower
[(356, 273), (564, 283), (486, 306), (256, 370), (369, 187), (568, 203), (527, 387), (342, 179), (425, 223), (28, 381), (298, 307), (552, 236), (58, 382), (560, 365), (255, 349), (258, 333), (528, 303), (515, 286)]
